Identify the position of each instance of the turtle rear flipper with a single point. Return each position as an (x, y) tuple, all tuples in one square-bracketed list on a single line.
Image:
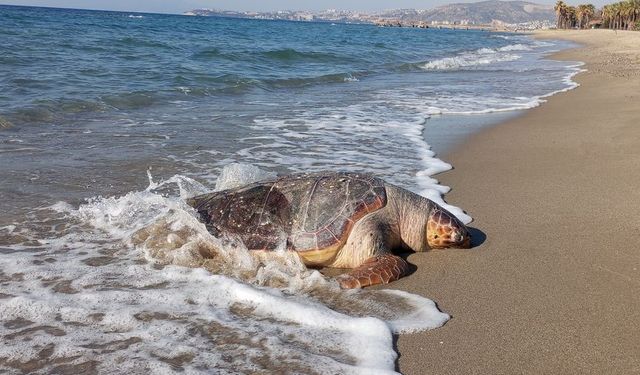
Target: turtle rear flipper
[(379, 269)]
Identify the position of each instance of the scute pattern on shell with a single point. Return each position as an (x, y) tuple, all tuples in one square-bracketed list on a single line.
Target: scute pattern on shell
[(310, 211)]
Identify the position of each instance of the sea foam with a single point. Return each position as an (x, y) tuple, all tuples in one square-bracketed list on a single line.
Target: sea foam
[(136, 283), (356, 138), (482, 56)]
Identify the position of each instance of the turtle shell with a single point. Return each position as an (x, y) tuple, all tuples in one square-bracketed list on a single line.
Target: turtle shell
[(309, 213)]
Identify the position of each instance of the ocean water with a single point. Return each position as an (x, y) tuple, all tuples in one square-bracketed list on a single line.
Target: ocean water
[(108, 121)]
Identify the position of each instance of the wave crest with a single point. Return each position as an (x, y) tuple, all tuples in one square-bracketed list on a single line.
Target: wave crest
[(483, 56), (290, 54)]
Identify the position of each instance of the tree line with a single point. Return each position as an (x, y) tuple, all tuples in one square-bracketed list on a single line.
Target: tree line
[(623, 15)]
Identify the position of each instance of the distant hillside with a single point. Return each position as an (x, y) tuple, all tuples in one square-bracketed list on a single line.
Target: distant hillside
[(487, 11), (483, 12)]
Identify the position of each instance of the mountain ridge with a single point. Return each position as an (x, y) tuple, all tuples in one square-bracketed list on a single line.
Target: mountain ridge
[(483, 12), (491, 10)]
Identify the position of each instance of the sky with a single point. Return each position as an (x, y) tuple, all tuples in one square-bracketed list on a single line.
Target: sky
[(181, 6)]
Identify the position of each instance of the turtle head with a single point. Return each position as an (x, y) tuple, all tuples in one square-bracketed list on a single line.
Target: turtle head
[(444, 230)]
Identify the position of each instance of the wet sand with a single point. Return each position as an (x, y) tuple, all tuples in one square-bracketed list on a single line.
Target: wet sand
[(552, 285)]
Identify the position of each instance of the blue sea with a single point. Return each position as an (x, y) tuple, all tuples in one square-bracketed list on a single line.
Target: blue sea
[(109, 120)]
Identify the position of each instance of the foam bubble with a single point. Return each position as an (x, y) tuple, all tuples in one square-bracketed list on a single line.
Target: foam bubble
[(238, 174), (515, 47), (136, 283), (485, 51)]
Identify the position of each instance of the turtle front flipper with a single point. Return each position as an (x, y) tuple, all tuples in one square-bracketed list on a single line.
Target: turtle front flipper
[(379, 269)]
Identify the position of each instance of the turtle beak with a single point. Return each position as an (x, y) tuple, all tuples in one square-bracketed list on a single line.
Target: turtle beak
[(466, 243), (460, 240)]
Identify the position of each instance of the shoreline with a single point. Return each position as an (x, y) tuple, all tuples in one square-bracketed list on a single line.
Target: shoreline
[(552, 282), (454, 129)]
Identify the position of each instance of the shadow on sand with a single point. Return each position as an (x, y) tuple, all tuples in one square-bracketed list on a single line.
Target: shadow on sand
[(478, 237)]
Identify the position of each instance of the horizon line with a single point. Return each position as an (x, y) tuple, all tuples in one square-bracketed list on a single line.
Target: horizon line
[(263, 11)]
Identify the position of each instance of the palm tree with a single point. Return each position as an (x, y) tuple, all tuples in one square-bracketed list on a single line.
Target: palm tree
[(590, 11), (571, 17), (624, 14), (632, 13), (584, 13), (580, 15), (621, 15), (616, 10), (606, 16), (561, 9)]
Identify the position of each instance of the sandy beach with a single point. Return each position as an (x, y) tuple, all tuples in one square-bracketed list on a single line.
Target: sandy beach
[(552, 285)]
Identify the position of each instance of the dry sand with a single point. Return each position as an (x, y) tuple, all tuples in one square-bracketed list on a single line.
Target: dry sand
[(554, 288)]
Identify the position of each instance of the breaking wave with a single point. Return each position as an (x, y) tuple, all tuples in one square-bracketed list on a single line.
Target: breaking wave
[(136, 283), (483, 56)]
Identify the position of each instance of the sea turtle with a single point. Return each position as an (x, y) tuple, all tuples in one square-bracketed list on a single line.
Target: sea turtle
[(334, 219)]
